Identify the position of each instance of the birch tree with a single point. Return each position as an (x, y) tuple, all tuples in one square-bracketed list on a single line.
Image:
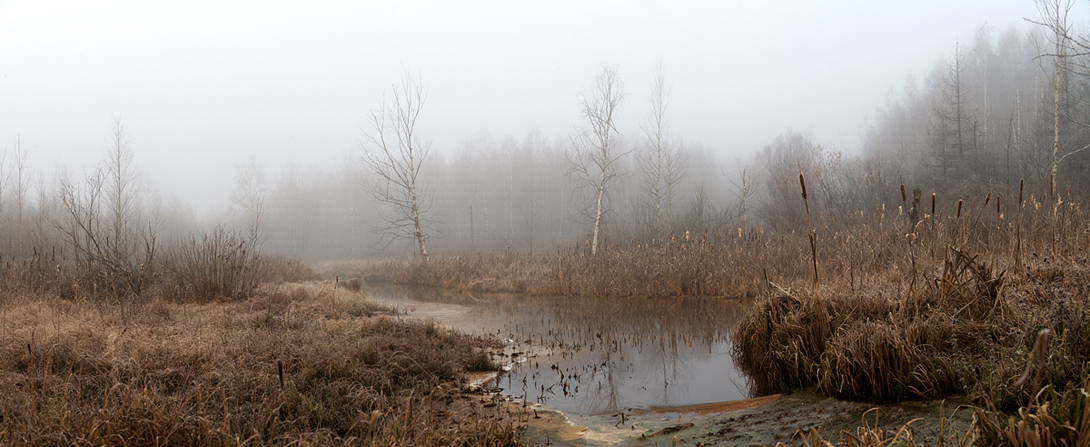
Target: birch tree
[(1070, 55), (394, 154), (595, 154), (662, 164), (1054, 18)]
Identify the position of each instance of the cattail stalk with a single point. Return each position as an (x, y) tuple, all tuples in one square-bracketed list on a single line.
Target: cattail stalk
[(812, 235), (280, 373)]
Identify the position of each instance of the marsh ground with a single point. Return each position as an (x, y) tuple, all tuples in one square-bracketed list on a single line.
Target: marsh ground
[(294, 363)]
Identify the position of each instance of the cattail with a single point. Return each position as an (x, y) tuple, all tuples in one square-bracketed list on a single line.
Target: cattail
[(998, 208), (1021, 183), (988, 199), (932, 204), (959, 209), (904, 198), (802, 182), (280, 372), (1051, 185)]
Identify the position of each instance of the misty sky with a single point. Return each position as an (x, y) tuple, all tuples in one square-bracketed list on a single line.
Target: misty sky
[(202, 85)]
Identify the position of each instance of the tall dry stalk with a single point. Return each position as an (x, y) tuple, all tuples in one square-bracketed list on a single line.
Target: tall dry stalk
[(812, 234)]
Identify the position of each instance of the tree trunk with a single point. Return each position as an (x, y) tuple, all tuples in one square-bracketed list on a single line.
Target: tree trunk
[(416, 225), (597, 221)]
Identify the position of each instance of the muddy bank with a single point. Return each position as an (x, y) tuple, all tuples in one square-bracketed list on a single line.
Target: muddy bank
[(762, 421)]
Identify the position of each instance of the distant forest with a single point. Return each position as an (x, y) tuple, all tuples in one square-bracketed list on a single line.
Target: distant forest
[(1004, 117)]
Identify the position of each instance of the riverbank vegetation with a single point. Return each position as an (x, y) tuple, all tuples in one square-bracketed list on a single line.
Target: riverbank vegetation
[(286, 363), (948, 255), (988, 302)]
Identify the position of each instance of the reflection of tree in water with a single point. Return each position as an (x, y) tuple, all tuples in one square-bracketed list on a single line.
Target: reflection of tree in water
[(597, 354)]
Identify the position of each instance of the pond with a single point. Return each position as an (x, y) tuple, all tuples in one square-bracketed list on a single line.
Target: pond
[(595, 355)]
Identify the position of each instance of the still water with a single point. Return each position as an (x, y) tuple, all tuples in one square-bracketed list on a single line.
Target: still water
[(595, 355)]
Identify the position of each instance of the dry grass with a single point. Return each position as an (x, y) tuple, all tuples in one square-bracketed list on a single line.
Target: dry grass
[(695, 266), (872, 251), (871, 434), (949, 305), (1054, 419), (967, 325), (291, 364)]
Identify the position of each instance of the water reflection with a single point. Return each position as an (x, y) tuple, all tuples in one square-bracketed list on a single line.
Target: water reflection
[(596, 355)]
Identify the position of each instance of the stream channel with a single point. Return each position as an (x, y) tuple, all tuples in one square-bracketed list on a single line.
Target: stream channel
[(594, 355)]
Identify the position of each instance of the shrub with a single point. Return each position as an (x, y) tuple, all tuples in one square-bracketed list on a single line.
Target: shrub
[(216, 264)]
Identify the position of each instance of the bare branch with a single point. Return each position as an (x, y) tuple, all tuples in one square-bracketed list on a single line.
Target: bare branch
[(594, 153), (395, 155)]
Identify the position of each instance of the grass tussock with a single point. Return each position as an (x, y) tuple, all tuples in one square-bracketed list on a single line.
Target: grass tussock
[(290, 364), (967, 331)]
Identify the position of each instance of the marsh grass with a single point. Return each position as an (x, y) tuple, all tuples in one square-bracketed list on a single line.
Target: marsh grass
[(724, 265), (291, 364), (909, 309), (865, 251)]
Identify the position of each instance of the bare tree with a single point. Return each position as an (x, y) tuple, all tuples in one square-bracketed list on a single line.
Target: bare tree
[(1054, 18), (44, 214), (746, 191), (21, 185), (662, 164), (595, 154), (951, 129), (1070, 56), (395, 154), (121, 195), (103, 225), (251, 195), (296, 211)]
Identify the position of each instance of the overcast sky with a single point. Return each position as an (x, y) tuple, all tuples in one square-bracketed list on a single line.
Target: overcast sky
[(202, 85)]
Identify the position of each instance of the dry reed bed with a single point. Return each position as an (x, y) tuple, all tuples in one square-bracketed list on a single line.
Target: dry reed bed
[(292, 364), (951, 304), (869, 250), (992, 309)]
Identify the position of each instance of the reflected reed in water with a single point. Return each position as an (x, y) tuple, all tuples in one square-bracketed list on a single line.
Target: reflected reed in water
[(596, 355)]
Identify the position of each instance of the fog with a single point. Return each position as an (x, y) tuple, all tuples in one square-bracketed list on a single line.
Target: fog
[(205, 89)]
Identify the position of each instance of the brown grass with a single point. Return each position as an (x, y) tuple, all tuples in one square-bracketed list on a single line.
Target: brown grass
[(964, 326), (724, 265), (945, 306), (291, 364)]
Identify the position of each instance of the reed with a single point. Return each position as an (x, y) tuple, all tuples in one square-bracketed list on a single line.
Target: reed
[(864, 250), (954, 308)]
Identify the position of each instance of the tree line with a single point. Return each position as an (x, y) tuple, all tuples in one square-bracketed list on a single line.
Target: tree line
[(1005, 116)]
